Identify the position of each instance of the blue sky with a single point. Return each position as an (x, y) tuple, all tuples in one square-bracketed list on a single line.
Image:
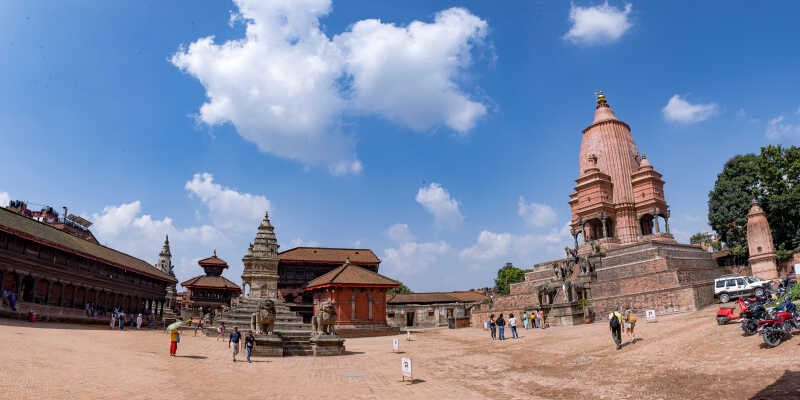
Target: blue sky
[(442, 135)]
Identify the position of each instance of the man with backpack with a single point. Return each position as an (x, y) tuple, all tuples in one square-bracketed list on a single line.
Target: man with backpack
[(501, 326), (615, 323)]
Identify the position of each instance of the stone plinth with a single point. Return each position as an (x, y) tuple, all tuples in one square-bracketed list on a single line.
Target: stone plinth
[(566, 314), (268, 346), (327, 345)]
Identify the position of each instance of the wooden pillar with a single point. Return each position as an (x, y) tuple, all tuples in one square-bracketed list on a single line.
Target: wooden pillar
[(61, 293), (47, 292), (18, 286), (74, 293), (2, 279)]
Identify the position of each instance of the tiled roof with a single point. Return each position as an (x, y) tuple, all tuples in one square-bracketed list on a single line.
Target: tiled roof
[(349, 274), (213, 261), (40, 232), (329, 255), (436, 297), (213, 282)]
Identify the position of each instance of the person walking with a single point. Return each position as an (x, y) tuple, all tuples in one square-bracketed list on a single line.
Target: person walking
[(512, 322), (630, 323), (540, 320), (493, 327), (615, 324), (113, 321), (121, 320), (5, 296), (249, 344), (139, 321), (234, 338), (501, 326), (221, 331), (174, 337), (198, 326)]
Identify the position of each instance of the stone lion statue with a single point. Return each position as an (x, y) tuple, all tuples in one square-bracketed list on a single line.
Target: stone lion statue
[(262, 321), (322, 323)]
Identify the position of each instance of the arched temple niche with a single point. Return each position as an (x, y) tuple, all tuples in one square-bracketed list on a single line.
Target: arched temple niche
[(646, 224)]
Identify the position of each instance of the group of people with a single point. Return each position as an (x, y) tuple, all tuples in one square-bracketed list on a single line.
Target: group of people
[(235, 342), (9, 299), (119, 319), (534, 319), (617, 321)]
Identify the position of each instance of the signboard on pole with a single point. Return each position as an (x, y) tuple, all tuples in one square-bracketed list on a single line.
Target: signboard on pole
[(651, 315), (406, 367), (395, 345)]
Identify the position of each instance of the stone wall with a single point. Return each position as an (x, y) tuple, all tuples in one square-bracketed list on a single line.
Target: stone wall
[(425, 315)]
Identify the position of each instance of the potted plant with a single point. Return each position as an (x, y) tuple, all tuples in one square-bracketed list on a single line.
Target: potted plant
[(584, 303)]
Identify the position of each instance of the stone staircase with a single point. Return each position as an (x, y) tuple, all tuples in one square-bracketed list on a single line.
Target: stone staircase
[(289, 326)]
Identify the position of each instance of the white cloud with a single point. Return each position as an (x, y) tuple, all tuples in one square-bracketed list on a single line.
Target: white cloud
[(409, 258), (491, 250), (228, 208), (4, 199), (680, 110), (536, 214), (779, 129), (597, 25), (444, 208), (287, 87), (298, 242)]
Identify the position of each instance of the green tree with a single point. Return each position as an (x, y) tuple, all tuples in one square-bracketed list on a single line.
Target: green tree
[(697, 238), (507, 275), (771, 177), (402, 289)]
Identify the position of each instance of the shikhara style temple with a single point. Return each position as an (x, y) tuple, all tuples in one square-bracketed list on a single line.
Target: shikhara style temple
[(210, 291), (59, 275), (621, 258)]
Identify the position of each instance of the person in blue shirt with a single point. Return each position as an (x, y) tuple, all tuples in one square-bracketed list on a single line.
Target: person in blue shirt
[(788, 306)]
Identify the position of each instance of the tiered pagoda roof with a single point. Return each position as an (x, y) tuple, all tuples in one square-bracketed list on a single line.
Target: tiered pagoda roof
[(351, 275)]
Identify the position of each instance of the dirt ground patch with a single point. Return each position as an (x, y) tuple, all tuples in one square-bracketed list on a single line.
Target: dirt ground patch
[(678, 357)]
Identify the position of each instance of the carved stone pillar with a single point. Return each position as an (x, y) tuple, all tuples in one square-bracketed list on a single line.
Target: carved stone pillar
[(605, 228), (656, 224), (666, 224)]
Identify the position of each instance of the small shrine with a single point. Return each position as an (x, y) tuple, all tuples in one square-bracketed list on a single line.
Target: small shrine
[(212, 291), (358, 297)]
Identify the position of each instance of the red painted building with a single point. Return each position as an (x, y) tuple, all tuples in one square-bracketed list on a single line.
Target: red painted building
[(359, 296)]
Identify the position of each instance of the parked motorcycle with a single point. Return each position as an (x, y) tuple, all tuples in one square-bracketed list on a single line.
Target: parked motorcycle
[(777, 328), (756, 312)]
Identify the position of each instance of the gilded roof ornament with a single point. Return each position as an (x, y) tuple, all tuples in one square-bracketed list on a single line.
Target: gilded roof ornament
[(601, 98)]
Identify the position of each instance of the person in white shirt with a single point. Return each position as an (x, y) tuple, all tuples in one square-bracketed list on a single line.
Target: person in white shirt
[(512, 322)]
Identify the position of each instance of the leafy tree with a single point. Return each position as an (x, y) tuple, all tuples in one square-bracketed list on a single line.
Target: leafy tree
[(507, 275), (402, 289), (771, 177), (697, 238)]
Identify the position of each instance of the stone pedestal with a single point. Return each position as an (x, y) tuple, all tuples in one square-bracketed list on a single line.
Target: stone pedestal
[(327, 345), (268, 346), (565, 314)]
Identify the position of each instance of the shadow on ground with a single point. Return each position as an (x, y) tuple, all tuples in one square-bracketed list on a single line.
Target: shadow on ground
[(786, 387)]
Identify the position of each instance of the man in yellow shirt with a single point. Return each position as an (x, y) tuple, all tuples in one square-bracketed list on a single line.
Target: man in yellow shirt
[(173, 341)]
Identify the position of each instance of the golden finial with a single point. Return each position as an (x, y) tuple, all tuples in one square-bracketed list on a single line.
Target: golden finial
[(644, 157), (601, 98), (215, 252)]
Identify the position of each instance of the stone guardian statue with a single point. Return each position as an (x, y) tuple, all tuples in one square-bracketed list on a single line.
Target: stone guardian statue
[(323, 322), (262, 322)]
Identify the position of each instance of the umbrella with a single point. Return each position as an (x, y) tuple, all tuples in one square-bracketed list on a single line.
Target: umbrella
[(175, 325)]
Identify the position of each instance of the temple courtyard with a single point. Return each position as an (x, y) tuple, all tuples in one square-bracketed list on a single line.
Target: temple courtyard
[(681, 356)]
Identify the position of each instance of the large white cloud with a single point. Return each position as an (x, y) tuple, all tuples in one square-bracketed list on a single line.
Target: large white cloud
[(536, 214), (680, 110), (228, 208), (492, 250), (444, 208), (286, 86), (4, 199), (597, 25)]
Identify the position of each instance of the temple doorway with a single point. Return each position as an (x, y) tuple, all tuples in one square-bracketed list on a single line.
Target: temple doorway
[(410, 318), (27, 288)]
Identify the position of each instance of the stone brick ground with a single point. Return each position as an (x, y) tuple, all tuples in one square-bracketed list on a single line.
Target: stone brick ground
[(681, 356)]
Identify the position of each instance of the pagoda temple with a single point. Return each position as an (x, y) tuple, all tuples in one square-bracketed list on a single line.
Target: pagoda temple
[(212, 290), (618, 197)]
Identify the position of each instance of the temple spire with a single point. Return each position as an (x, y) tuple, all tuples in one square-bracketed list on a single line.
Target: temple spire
[(602, 111)]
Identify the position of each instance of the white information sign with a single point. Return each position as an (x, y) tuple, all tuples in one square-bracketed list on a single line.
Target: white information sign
[(651, 315), (396, 345), (406, 367), (797, 269)]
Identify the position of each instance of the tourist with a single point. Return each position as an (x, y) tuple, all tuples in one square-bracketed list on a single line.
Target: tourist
[(249, 344), (121, 318), (614, 322), (493, 327), (13, 301), (174, 337), (221, 331), (525, 319), (139, 321), (512, 322), (113, 321), (198, 326), (5, 297), (630, 323), (501, 326), (234, 338), (540, 319)]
